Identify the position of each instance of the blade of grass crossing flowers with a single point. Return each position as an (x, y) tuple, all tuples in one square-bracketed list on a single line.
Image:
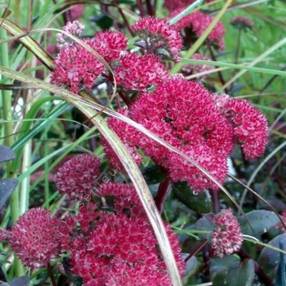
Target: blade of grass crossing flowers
[(185, 12), (99, 108), (204, 36)]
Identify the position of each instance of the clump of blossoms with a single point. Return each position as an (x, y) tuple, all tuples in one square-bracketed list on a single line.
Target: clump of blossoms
[(74, 28), (183, 114), (173, 5), (193, 120), (242, 22), (249, 125), (198, 22), (76, 177), (227, 237), (140, 72), (35, 238), (117, 235), (158, 34), (78, 68)]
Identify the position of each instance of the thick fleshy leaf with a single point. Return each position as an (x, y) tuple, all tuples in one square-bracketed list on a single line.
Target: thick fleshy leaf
[(7, 186), (270, 259), (21, 281), (281, 272), (257, 222), (200, 202), (231, 271), (6, 154)]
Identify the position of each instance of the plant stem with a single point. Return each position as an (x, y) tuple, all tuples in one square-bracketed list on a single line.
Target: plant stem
[(51, 275), (140, 7), (215, 201), (8, 125), (150, 9), (162, 194), (237, 51), (8, 138)]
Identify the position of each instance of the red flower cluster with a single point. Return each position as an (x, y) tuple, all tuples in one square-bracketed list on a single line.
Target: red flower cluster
[(124, 198), (110, 45), (242, 22), (183, 114), (249, 125), (76, 177), (227, 237), (116, 240), (173, 5), (74, 28), (78, 68), (201, 125), (36, 238), (158, 34), (199, 22), (136, 72), (116, 237)]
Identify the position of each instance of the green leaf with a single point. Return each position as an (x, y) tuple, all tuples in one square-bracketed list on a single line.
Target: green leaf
[(200, 203), (257, 222), (281, 272), (270, 259), (231, 271)]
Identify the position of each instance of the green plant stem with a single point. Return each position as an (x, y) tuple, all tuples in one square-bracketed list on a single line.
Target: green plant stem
[(8, 125), (8, 139)]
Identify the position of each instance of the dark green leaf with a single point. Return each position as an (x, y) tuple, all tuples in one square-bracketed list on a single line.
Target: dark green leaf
[(6, 154), (21, 281), (258, 222), (7, 186)]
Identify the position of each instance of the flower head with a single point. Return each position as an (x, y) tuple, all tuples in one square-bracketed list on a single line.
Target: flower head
[(242, 22), (35, 237), (76, 177), (124, 198), (118, 241), (74, 28), (75, 12), (136, 72), (158, 34), (76, 67), (199, 22), (110, 44), (173, 5), (227, 237), (249, 125), (183, 114)]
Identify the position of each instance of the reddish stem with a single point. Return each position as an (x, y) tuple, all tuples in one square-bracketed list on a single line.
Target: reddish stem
[(162, 194), (197, 250)]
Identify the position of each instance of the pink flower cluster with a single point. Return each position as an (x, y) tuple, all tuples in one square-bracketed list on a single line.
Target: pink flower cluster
[(249, 125), (74, 28), (116, 237), (199, 22), (242, 22), (158, 34), (188, 117), (173, 5), (36, 238), (76, 177), (227, 237), (78, 68), (137, 72)]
